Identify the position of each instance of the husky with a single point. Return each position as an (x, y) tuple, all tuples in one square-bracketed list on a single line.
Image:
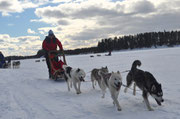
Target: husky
[(146, 82), (95, 77), (16, 64), (7, 65), (112, 81), (74, 76)]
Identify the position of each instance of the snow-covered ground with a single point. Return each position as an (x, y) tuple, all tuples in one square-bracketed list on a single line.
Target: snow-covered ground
[(27, 93)]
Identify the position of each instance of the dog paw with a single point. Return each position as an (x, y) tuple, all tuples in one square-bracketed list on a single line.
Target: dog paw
[(78, 93), (119, 109), (151, 109)]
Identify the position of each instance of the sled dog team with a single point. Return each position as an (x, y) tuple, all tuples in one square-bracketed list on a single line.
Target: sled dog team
[(113, 81)]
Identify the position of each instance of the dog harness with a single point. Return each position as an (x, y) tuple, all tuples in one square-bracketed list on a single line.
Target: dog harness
[(68, 70)]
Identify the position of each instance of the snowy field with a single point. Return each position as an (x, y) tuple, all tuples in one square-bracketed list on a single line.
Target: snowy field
[(27, 93)]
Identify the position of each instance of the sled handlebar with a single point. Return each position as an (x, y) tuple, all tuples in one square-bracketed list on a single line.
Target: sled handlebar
[(55, 51)]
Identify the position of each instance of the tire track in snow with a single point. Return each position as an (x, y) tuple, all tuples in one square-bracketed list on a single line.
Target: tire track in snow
[(4, 101), (30, 105), (21, 100)]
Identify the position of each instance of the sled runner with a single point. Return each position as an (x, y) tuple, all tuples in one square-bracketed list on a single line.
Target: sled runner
[(57, 72)]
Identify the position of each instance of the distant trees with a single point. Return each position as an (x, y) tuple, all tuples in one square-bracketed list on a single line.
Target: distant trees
[(81, 51), (142, 40), (20, 57)]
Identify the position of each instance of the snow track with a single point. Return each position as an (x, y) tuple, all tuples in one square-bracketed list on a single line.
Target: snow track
[(26, 93)]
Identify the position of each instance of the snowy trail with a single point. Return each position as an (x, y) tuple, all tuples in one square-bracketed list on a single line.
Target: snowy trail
[(24, 99), (26, 93)]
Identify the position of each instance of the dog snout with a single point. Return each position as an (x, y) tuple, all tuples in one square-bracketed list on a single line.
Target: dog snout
[(161, 99), (118, 84), (82, 79)]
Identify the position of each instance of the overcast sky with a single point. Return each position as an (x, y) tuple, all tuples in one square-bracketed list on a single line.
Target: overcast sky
[(80, 23)]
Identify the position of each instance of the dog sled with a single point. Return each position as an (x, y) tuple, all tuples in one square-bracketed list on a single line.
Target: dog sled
[(57, 73)]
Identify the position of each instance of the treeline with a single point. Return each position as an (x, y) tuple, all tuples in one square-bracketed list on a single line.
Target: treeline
[(142, 40), (21, 57), (72, 52), (81, 51)]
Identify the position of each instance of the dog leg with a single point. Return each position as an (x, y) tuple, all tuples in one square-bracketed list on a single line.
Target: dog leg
[(134, 89), (145, 96), (129, 82), (71, 83), (103, 88), (75, 87), (125, 90), (115, 101), (99, 83), (68, 84), (68, 80), (103, 92), (93, 84), (79, 85), (93, 81)]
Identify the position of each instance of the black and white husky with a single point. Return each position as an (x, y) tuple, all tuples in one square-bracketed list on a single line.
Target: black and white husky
[(113, 82), (95, 77), (146, 82), (74, 76)]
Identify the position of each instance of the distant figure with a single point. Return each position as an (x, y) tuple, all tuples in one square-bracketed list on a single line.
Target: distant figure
[(37, 60), (2, 60), (50, 43), (108, 54)]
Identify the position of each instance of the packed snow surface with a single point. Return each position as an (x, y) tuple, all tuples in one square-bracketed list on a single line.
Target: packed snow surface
[(27, 93)]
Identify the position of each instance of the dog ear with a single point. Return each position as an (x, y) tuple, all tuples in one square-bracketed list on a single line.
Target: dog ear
[(107, 76), (112, 72), (78, 70), (118, 72), (153, 88)]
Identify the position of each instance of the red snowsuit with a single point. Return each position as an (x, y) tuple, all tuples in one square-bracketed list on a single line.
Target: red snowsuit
[(51, 43), (56, 65)]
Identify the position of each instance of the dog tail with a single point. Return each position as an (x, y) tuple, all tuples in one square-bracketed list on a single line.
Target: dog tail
[(135, 64)]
